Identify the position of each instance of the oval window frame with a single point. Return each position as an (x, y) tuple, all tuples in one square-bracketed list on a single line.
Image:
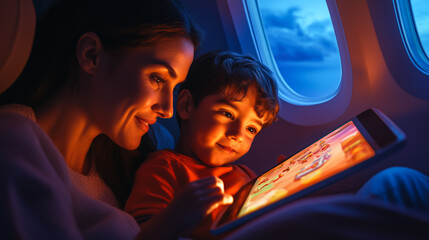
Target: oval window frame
[(243, 23)]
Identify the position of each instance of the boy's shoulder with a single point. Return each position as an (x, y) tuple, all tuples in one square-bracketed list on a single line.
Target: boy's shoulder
[(165, 162), (165, 154), (160, 157), (174, 161), (167, 157)]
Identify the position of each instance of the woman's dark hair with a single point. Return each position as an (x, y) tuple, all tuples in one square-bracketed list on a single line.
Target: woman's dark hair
[(121, 25), (232, 76)]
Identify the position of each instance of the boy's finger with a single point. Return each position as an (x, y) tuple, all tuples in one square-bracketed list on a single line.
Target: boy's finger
[(219, 184), (212, 189), (227, 199), (209, 192), (209, 182), (217, 201), (212, 180)]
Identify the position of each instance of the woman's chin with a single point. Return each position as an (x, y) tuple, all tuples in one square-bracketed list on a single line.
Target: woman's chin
[(130, 145)]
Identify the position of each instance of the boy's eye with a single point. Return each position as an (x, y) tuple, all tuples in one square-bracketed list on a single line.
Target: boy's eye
[(252, 130), (228, 114)]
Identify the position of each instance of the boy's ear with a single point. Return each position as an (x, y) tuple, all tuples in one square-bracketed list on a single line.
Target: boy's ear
[(88, 50), (185, 104)]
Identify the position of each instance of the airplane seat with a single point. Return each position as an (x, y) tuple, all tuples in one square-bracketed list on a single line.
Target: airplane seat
[(17, 28), (162, 136)]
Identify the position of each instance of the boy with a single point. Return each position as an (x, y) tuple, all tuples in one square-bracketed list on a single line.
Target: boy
[(226, 100)]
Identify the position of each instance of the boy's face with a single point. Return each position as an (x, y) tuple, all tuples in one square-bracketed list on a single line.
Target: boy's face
[(219, 131)]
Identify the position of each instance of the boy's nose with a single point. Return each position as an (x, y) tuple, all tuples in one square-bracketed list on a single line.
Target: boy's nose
[(235, 133)]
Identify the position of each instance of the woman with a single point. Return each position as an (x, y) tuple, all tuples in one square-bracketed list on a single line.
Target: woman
[(97, 67)]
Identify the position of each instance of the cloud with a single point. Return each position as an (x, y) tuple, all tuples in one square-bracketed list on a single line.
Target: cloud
[(282, 20), (290, 40)]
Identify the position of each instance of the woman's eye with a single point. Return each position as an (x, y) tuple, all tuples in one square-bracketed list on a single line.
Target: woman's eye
[(157, 80)]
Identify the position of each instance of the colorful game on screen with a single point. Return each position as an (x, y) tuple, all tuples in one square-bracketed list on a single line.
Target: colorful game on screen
[(332, 154)]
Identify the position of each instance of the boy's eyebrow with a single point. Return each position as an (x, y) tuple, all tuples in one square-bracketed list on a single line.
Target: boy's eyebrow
[(224, 101), (259, 122)]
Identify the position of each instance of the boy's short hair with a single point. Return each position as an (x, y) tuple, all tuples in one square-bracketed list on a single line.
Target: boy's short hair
[(231, 76)]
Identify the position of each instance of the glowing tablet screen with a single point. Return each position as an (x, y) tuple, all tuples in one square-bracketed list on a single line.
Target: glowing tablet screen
[(339, 150)]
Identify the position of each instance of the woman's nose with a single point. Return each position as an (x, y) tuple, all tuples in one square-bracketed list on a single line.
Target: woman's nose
[(164, 106)]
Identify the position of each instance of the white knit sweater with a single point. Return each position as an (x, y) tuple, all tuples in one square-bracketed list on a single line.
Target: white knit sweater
[(41, 197)]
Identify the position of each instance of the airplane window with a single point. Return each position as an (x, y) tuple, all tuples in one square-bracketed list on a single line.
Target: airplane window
[(304, 44), (420, 10), (304, 48), (413, 16)]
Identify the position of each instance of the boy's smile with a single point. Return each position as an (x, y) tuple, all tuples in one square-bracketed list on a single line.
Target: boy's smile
[(227, 149), (218, 131)]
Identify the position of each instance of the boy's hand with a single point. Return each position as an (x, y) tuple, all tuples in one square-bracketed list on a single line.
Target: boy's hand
[(198, 199)]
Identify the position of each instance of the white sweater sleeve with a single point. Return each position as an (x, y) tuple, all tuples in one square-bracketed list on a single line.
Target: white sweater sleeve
[(38, 200), (35, 199)]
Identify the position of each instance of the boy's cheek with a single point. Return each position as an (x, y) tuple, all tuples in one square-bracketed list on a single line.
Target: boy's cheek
[(246, 148)]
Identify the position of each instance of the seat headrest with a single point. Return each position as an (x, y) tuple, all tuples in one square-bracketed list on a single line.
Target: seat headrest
[(17, 27)]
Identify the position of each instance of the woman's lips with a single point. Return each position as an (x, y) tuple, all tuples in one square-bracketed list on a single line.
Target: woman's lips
[(144, 124)]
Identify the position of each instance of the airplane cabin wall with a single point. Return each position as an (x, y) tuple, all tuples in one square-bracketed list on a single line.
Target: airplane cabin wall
[(373, 86)]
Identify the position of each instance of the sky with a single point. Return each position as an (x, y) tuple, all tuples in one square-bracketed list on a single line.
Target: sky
[(303, 43), (420, 9)]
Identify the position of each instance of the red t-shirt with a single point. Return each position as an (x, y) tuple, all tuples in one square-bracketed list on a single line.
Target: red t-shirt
[(165, 172)]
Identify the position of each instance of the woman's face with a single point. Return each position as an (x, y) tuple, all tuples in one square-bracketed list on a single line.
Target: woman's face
[(131, 90)]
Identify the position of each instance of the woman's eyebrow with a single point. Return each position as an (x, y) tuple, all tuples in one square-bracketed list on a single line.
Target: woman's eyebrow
[(170, 69)]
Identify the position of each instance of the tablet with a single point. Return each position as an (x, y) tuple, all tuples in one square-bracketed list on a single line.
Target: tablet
[(366, 138)]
